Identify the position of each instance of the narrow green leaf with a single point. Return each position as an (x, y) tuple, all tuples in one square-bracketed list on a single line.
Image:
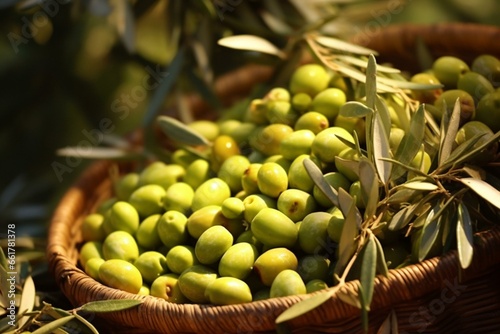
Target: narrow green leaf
[(357, 75), (107, 153), (102, 306), (86, 323), (417, 185), (180, 132), (448, 133), (304, 306), (123, 19), (465, 237), (345, 203), (363, 64), (368, 272), (483, 189), (411, 142), (166, 84), (347, 244), (402, 195), (384, 113), (405, 215), (472, 152), (381, 263), (52, 326), (354, 109), (461, 153), (28, 297), (319, 180), (371, 82), (338, 44), (251, 43), (430, 232), (381, 149), (407, 84), (369, 186)]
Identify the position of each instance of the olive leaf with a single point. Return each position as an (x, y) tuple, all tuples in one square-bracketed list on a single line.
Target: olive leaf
[(418, 185), (251, 43), (381, 262), (357, 75), (381, 149), (102, 306), (483, 189), (407, 84), (86, 323), (369, 186), (403, 195), (354, 109), (371, 82), (28, 298), (53, 325), (430, 232), (465, 236), (405, 215), (340, 45), (319, 180), (347, 243), (449, 129), (304, 306), (411, 143), (108, 153), (468, 150), (368, 272), (180, 132), (363, 64), (384, 113)]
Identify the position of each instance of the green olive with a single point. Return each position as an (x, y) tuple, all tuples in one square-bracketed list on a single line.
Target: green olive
[(120, 245), (124, 217), (297, 143), (327, 145), (448, 69), (328, 102), (121, 274), (313, 121), (147, 234), (310, 79), (151, 264), (228, 291), (148, 199)]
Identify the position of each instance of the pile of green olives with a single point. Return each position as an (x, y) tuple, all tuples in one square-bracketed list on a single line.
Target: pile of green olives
[(248, 222)]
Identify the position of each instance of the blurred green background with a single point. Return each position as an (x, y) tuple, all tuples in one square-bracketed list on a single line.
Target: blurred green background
[(65, 66)]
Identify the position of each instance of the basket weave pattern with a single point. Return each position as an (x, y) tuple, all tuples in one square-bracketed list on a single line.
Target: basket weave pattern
[(434, 296)]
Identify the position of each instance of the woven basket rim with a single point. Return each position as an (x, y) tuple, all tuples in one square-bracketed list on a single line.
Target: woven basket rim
[(402, 285)]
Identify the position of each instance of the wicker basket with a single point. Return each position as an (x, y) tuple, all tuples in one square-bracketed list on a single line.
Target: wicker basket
[(430, 297)]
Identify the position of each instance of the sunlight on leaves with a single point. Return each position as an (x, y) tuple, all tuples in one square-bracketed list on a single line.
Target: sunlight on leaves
[(251, 43), (180, 132)]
